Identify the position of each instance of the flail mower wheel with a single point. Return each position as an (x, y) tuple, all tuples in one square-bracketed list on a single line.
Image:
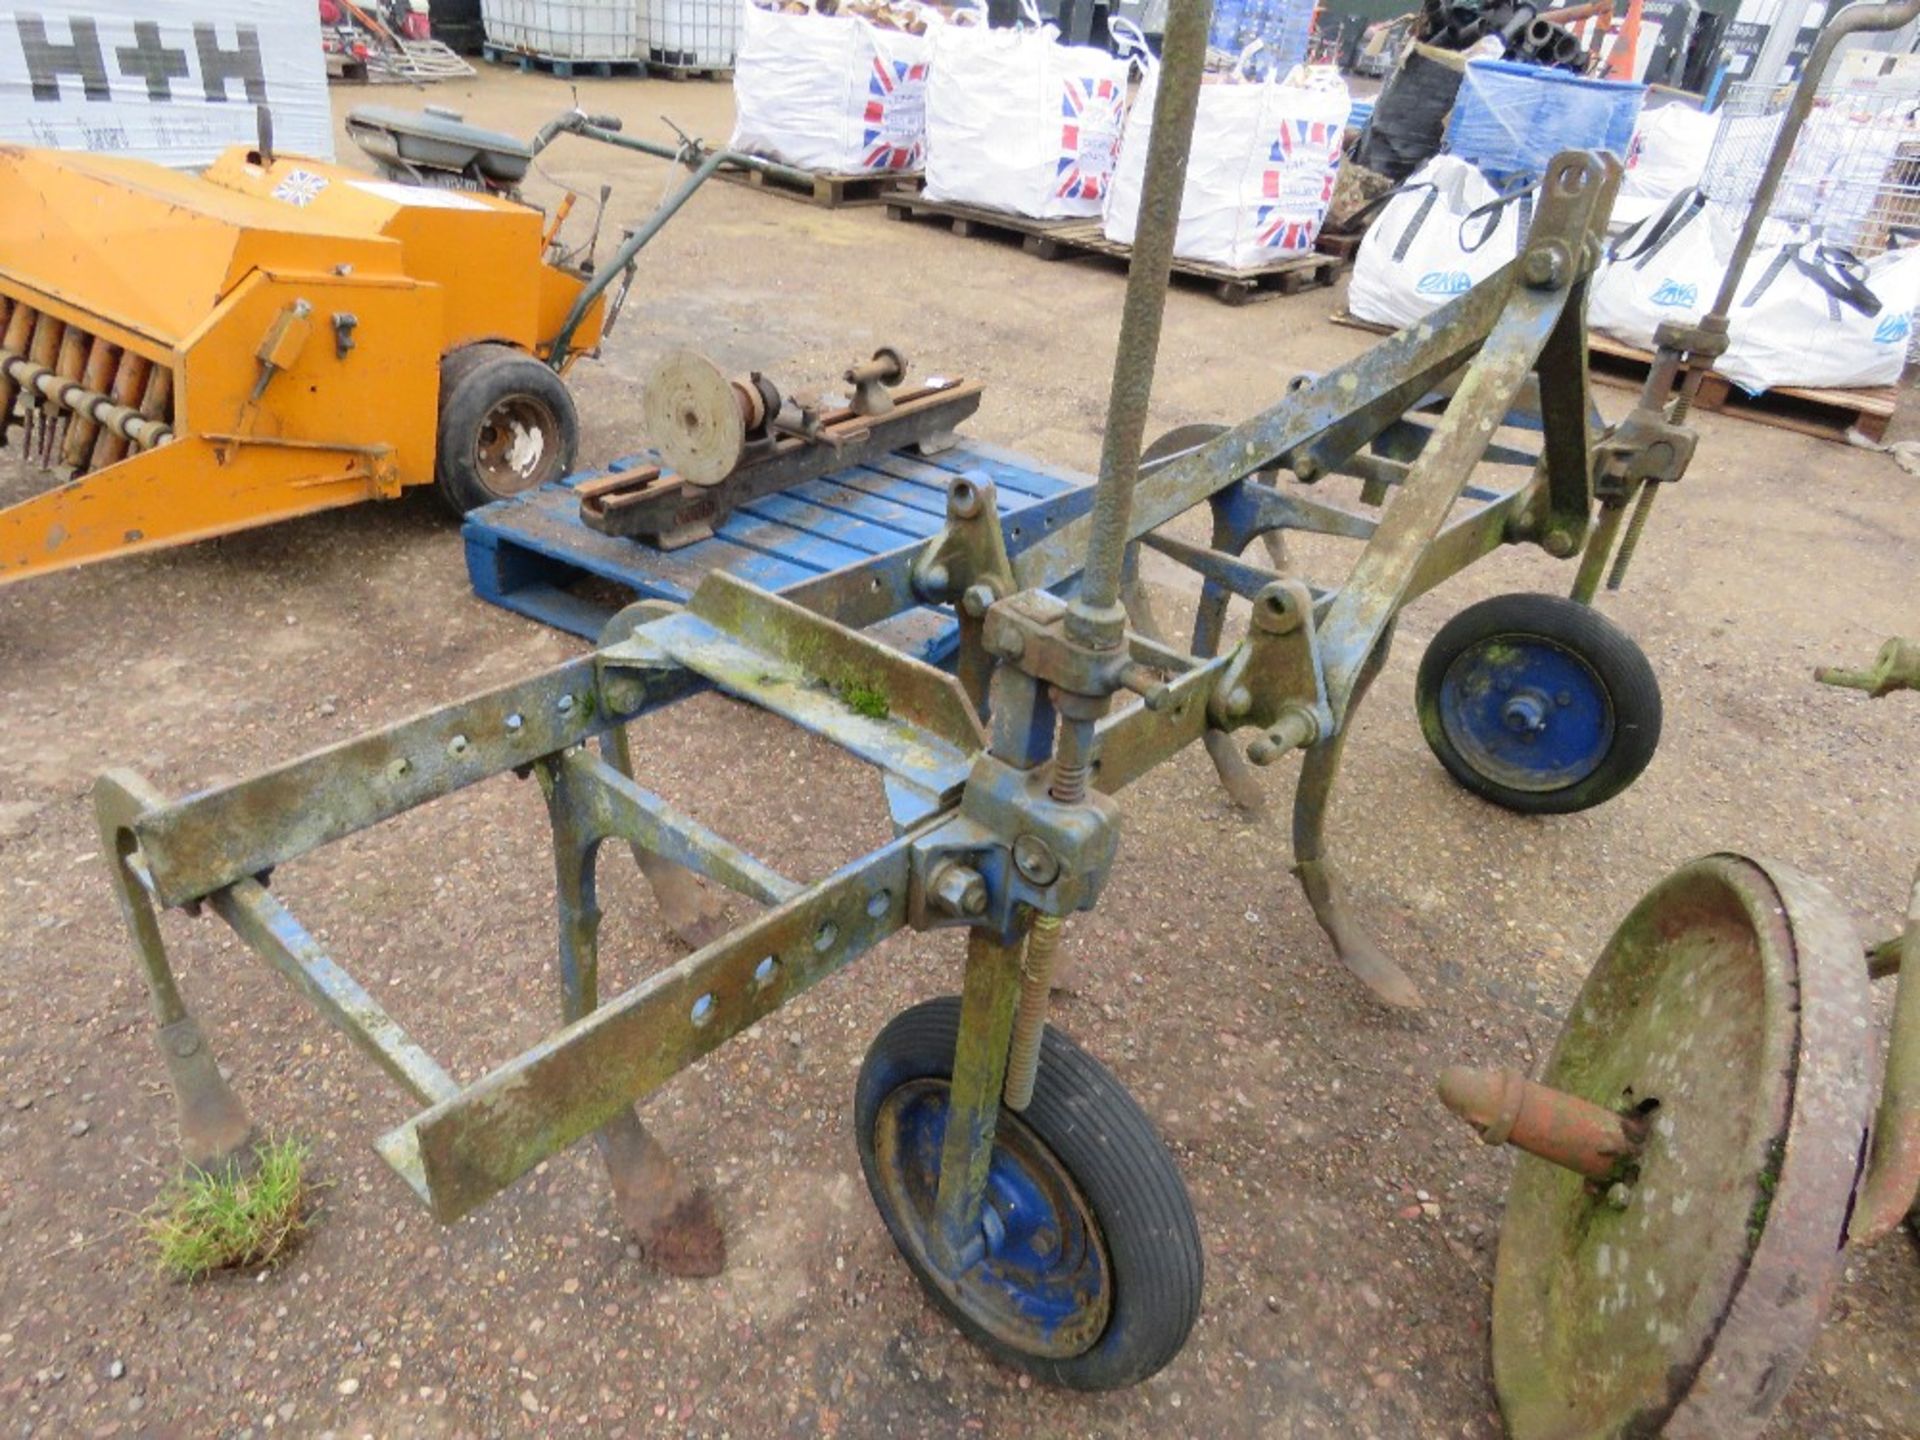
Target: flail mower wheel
[(507, 425)]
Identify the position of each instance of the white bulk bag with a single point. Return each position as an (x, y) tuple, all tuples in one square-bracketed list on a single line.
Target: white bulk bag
[(1437, 236), (829, 92), (1260, 172), (1809, 314), (1668, 155), (1017, 122), (1666, 267)]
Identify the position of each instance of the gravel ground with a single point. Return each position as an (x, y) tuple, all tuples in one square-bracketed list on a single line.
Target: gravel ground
[(1349, 1224)]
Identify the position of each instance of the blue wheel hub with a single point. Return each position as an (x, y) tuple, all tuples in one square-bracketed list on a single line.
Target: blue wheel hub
[(1526, 712), (1039, 1279)]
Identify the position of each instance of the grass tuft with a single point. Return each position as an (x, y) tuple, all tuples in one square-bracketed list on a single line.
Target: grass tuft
[(220, 1220), (865, 700)]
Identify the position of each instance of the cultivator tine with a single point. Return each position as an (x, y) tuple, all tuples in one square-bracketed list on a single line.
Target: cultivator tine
[(674, 1219), (103, 357), (129, 386), (157, 400)]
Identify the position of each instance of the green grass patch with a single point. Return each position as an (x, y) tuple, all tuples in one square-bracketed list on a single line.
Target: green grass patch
[(865, 700), (1763, 1203), (224, 1219)]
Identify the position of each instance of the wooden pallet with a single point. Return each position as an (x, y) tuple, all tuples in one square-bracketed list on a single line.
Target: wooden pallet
[(830, 189), (561, 66), (345, 68), (1809, 410), (667, 70), (532, 555), (1073, 239), (1341, 247)]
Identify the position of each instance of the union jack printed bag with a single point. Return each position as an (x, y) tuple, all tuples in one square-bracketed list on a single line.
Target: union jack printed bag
[(831, 92), (1017, 122), (1261, 171)]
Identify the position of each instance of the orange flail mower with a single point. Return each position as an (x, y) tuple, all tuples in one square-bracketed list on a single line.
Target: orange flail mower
[(190, 355)]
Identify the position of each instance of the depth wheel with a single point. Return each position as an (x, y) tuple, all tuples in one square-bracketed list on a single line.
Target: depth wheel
[(1091, 1273), (1730, 1011), (1538, 703), (507, 425)]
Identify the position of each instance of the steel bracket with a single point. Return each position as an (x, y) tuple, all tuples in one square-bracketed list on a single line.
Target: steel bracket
[(1276, 680), (966, 563), (1029, 850), (1030, 630), (1646, 446)]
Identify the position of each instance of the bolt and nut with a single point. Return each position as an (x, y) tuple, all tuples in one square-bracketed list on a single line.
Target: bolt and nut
[(959, 889)]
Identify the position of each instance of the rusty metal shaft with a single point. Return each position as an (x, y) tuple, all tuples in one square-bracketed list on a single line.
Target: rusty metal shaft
[(1509, 1109), (1636, 527), (1030, 1018), (48, 383), (1096, 618)]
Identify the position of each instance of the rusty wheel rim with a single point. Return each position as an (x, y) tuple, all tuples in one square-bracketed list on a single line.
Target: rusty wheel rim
[(1735, 997), (518, 445), (1042, 1282)]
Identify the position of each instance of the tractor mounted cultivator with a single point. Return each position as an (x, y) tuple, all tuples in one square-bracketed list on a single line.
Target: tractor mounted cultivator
[(1023, 1186)]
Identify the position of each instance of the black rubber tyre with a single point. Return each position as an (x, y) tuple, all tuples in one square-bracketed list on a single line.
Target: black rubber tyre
[(1123, 1180), (1562, 658), (507, 425)]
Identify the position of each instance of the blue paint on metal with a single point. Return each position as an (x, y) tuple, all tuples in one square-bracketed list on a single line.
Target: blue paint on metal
[(1527, 713), (526, 553), (1037, 1264)]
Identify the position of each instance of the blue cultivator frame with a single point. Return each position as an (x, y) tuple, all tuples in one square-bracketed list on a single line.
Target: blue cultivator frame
[(1023, 1187)]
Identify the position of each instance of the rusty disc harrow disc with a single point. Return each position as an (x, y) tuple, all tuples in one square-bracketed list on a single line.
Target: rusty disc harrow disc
[(693, 417), (1731, 1009)]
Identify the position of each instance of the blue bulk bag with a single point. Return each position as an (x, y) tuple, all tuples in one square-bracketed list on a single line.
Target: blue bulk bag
[(1511, 119)]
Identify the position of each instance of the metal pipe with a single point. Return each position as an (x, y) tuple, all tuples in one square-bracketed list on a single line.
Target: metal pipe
[(692, 152), (1853, 20), (606, 275), (1096, 618)]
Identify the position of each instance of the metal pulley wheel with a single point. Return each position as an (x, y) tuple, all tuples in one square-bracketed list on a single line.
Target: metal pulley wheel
[(1726, 1025), (697, 418)]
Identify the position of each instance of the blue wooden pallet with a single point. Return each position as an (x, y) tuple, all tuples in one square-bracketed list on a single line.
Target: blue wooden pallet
[(530, 554), (562, 66)]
